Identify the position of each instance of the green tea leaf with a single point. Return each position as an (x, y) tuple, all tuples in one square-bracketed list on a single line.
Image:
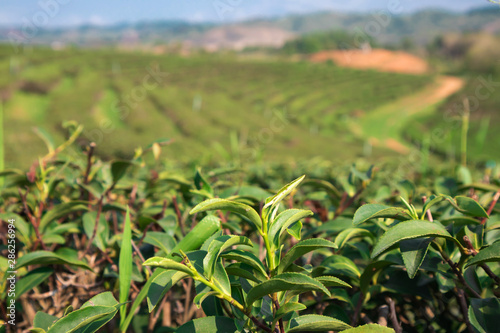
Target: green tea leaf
[(342, 265), (283, 221), (217, 246), (102, 299), (102, 233), (409, 230), (323, 184), (344, 236), (61, 210), (192, 241), (43, 320), (221, 279), (413, 252), (470, 207), (484, 314), (161, 240), (208, 226), (295, 230), (232, 206), (371, 211), (245, 271), (302, 248), (202, 184), (369, 328), (119, 168), (167, 263), (488, 254), (433, 200), (80, 318), (284, 282), (282, 193), (125, 264), (202, 296), (209, 324), (316, 323), (24, 230), (161, 284), (332, 281), (245, 258), (32, 279), (60, 257)]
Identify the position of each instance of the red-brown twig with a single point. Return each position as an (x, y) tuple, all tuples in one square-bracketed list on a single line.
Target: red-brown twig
[(463, 307), (393, 316), (346, 204), (179, 215), (133, 195), (259, 324), (492, 205), (99, 210), (140, 255), (34, 221), (486, 269), (357, 310), (458, 274)]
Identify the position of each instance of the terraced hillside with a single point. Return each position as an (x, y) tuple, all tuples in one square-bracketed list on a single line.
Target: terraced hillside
[(211, 105)]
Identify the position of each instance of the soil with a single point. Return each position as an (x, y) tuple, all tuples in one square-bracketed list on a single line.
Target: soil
[(379, 59)]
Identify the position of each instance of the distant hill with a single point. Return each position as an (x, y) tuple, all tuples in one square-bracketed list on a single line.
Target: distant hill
[(421, 27)]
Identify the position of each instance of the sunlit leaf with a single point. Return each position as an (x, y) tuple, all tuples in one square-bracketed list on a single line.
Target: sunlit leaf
[(316, 323)]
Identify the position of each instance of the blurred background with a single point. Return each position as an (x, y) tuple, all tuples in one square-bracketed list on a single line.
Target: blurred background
[(227, 81)]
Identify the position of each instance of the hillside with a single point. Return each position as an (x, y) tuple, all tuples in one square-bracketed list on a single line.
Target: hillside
[(208, 105)]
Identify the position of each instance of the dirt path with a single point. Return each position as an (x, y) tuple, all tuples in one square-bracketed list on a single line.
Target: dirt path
[(379, 59), (383, 126)]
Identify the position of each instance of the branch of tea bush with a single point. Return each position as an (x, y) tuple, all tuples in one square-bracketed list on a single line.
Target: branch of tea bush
[(393, 316), (492, 205), (34, 221), (463, 307), (90, 153), (486, 269), (98, 216), (357, 309), (220, 294), (457, 272), (344, 205), (179, 215)]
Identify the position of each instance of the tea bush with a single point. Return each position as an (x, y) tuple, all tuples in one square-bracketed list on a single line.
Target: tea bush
[(138, 245)]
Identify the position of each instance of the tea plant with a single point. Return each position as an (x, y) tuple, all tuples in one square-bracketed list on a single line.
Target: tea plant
[(460, 238), (258, 296), (419, 256)]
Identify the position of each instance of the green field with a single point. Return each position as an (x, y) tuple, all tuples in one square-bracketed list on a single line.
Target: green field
[(483, 134), (213, 106)]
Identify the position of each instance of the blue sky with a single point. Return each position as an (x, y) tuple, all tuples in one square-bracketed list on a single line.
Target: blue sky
[(104, 12)]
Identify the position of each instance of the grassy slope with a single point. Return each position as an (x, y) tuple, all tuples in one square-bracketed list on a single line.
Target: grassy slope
[(386, 125), (483, 138), (199, 104)]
